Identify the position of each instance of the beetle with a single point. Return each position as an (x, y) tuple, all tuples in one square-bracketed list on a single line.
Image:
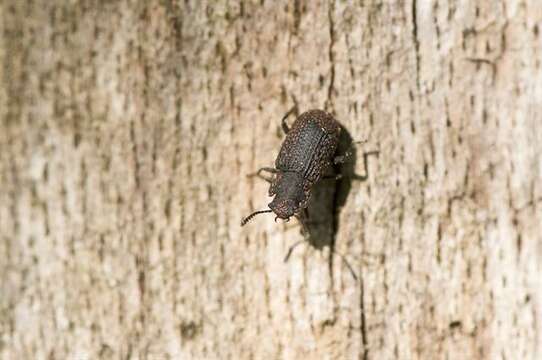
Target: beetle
[(307, 151)]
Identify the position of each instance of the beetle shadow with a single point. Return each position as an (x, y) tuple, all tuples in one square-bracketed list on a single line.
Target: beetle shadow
[(329, 196)]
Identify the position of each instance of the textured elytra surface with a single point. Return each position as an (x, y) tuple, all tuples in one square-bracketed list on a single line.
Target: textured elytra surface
[(309, 145)]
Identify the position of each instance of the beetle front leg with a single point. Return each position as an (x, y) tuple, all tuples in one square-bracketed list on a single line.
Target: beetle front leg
[(268, 169)]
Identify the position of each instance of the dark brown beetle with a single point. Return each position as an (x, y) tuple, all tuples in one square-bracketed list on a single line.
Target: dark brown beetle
[(307, 151)]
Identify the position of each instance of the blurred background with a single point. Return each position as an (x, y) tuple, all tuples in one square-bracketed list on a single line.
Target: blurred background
[(128, 129)]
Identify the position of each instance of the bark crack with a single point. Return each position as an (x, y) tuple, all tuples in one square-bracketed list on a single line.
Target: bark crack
[(363, 320), (329, 103), (416, 41)]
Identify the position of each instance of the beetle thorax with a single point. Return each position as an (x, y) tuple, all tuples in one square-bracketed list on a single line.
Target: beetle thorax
[(289, 194)]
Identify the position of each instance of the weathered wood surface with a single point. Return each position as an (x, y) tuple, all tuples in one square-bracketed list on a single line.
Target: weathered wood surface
[(127, 131)]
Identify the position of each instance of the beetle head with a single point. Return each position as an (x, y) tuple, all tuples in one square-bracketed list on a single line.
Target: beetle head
[(283, 208), (289, 196)]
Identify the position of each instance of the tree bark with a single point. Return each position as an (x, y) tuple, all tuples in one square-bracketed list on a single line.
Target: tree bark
[(127, 133)]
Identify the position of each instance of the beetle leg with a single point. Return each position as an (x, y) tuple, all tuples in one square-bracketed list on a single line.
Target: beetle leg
[(285, 127), (306, 213), (354, 176), (306, 232), (339, 159), (334, 177), (292, 249), (269, 170)]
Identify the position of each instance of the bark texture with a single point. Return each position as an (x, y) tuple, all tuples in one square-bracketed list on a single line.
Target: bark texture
[(127, 131)]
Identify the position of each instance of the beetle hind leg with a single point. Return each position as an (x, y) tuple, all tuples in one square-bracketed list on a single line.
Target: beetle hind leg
[(339, 159), (334, 177), (302, 217)]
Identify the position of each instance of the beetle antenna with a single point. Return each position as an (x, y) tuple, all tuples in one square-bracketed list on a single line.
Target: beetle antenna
[(248, 218)]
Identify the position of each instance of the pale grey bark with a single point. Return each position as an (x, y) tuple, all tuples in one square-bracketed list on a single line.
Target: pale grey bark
[(127, 131)]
